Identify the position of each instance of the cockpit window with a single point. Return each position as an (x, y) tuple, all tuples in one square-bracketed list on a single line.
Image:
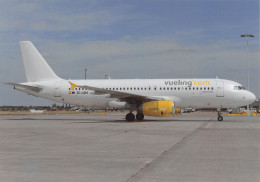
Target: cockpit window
[(239, 88)]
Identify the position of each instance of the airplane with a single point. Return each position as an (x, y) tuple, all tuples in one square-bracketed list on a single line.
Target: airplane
[(150, 97)]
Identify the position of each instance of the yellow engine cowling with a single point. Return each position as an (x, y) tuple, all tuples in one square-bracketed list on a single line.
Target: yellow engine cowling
[(160, 108), (177, 111)]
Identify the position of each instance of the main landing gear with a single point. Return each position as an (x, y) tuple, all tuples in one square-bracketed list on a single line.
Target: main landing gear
[(139, 116), (131, 117), (220, 118)]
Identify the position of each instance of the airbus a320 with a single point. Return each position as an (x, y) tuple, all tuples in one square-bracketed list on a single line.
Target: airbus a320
[(150, 97)]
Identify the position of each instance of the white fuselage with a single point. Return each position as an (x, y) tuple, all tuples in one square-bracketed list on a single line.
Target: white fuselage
[(195, 93), (151, 97)]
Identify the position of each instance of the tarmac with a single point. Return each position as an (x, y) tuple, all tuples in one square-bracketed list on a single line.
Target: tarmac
[(193, 147)]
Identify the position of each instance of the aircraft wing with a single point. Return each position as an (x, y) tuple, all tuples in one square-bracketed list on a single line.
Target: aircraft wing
[(121, 95), (19, 85)]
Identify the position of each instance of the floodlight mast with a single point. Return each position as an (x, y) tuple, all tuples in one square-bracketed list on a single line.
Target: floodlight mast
[(247, 35)]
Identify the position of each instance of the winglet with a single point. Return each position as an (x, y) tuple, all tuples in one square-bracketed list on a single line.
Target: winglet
[(73, 85)]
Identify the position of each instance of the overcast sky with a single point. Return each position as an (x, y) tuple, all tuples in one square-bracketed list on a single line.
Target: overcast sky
[(130, 39)]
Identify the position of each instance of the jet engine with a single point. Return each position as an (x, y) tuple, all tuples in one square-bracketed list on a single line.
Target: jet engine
[(177, 111), (160, 108)]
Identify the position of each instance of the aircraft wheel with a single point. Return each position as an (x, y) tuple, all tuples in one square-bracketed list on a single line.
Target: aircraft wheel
[(130, 117), (139, 116), (220, 118)]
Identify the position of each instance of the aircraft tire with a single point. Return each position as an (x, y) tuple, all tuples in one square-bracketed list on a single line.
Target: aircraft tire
[(139, 116), (130, 117), (220, 118)]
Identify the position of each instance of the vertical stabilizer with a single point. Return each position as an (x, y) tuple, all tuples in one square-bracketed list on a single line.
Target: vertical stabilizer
[(36, 68)]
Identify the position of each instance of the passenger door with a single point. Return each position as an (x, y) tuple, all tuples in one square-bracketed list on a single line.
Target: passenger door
[(57, 91), (220, 89)]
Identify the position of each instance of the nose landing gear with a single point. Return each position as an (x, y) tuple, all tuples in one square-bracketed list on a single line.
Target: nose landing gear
[(220, 118)]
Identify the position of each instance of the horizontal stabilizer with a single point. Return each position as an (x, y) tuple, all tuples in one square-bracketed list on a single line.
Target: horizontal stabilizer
[(28, 87)]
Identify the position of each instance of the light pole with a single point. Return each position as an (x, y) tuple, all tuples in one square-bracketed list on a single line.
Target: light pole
[(247, 35), (86, 74)]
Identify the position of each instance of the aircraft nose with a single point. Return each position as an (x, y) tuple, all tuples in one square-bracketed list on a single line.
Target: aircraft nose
[(251, 97)]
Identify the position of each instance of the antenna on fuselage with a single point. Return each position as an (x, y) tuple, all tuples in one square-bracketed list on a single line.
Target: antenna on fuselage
[(107, 77)]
